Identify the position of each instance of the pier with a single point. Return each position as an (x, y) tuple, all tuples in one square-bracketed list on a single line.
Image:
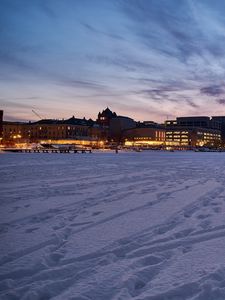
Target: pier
[(15, 150)]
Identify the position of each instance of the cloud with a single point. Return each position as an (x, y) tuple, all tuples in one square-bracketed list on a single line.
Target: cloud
[(158, 54), (12, 60), (92, 29), (177, 29), (39, 71), (212, 90), (127, 63), (221, 101), (133, 109), (163, 91), (15, 118), (16, 102), (191, 103), (70, 82), (155, 94), (174, 93)]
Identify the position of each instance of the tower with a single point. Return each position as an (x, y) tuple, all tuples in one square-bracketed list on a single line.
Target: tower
[(105, 116)]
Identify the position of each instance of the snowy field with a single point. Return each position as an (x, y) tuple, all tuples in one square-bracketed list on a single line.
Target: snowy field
[(104, 226)]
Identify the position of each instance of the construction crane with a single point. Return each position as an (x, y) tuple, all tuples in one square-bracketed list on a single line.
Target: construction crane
[(36, 114)]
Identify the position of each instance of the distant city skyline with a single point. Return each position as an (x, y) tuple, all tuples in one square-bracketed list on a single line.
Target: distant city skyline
[(145, 59)]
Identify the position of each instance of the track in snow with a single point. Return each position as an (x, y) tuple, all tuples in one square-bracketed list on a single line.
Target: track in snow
[(104, 226)]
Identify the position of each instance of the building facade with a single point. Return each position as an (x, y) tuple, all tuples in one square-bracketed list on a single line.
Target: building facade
[(188, 132), (110, 129), (118, 126), (221, 120), (73, 130), (186, 137), (202, 122), (145, 137)]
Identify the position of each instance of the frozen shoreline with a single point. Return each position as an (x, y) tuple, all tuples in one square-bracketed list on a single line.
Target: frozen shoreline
[(144, 225)]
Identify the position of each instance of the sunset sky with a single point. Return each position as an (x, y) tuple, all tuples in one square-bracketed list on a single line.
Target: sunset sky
[(147, 59)]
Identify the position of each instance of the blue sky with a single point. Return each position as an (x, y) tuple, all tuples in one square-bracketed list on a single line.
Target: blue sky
[(148, 59)]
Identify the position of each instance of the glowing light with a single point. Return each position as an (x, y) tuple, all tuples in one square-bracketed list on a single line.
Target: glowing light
[(17, 136), (142, 142)]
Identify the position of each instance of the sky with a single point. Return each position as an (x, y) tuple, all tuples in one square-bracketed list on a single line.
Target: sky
[(147, 59)]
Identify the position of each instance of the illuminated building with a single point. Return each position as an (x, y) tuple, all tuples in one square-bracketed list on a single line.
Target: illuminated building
[(170, 123), (13, 131), (221, 120), (187, 132), (73, 130), (182, 133), (192, 137), (145, 137)]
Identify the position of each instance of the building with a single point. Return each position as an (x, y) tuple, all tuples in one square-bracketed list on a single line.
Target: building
[(202, 122), (221, 120), (185, 137), (73, 130), (14, 132), (148, 123), (188, 132), (110, 129), (145, 135), (105, 116), (170, 123), (118, 126)]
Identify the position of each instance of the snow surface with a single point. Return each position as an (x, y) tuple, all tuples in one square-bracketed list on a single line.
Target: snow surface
[(105, 226)]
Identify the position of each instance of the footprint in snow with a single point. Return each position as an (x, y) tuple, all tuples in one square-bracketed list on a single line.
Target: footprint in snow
[(186, 249), (29, 230), (150, 260), (205, 224), (217, 209), (96, 213), (202, 216)]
